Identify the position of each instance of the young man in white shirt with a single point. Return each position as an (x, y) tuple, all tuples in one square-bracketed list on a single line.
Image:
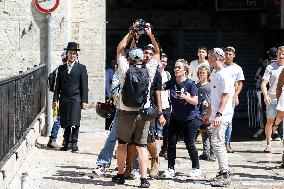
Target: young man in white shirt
[(220, 113), (271, 76), (237, 74), (202, 53)]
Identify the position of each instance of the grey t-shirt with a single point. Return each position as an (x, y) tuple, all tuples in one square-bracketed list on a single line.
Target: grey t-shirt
[(204, 95)]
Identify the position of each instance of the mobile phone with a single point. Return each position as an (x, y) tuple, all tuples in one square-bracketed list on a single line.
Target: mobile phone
[(178, 92)]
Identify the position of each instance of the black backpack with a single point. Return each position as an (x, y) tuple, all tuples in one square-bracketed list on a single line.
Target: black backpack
[(135, 88), (52, 80)]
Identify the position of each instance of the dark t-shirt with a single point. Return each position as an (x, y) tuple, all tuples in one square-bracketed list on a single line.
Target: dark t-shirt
[(156, 86), (204, 94), (181, 109)]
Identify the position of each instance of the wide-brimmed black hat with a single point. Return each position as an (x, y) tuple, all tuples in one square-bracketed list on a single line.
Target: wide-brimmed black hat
[(72, 46)]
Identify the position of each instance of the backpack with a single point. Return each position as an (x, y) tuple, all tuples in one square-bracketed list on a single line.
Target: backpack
[(135, 88), (52, 80)]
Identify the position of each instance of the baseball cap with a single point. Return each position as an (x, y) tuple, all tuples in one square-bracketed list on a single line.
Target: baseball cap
[(230, 48), (272, 50), (136, 54), (63, 55)]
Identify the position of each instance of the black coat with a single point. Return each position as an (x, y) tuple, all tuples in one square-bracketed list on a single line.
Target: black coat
[(71, 91)]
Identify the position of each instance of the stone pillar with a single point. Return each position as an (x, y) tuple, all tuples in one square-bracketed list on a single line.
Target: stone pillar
[(88, 28)]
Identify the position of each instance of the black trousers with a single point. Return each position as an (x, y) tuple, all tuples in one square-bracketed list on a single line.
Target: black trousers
[(189, 129), (71, 133)]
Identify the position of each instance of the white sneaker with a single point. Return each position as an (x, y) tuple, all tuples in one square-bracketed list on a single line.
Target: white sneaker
[(194, 173), (100, 171), (169, 173)]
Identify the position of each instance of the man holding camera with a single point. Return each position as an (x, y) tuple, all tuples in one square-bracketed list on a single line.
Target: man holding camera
[(131, 128)]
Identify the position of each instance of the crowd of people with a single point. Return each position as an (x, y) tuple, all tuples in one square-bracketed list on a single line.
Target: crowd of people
[(147, 97)]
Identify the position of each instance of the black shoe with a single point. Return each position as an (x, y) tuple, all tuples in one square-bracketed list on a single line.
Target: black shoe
[(75, 147), (164, 154), (144, 183), (118, 179), (64, 148)]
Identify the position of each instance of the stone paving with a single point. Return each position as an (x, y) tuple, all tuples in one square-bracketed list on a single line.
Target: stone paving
[(49, 169)]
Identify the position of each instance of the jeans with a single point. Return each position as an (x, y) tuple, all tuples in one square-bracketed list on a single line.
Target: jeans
[(105, 156), (55, 129), (228, 134), (189, 129), (218, 143), (207, 144)]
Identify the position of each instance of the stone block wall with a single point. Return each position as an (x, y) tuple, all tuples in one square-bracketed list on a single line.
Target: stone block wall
[(23, 44)]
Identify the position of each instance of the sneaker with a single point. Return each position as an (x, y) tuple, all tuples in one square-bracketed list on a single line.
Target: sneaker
[(144, 183), (53, 145), (223, 180), (218, 176), (99, 171), (169, 173), (277, 139), (194, 172), (118, 179), (267, 149)]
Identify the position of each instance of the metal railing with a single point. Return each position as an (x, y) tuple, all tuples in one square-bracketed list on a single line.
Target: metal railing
[(22, 99), (255, 111)]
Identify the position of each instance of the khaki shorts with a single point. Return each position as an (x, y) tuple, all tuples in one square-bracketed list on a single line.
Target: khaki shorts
[(131, 128)]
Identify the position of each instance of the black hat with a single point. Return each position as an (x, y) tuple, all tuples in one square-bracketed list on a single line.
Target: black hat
[(272, 51), (72, 46)]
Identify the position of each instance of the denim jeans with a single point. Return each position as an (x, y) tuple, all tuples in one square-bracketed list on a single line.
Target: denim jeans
[(55, 129), (218, 143), (189, 129), (228, 134), (207, 144), (105, 156)]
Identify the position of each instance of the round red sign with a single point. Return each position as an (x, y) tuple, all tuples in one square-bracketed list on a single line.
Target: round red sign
[(46, 6)]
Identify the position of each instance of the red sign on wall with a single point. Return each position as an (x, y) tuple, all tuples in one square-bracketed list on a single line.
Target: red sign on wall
[(46, 6)]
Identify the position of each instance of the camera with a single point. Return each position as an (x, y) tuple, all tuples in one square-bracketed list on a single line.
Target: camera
[(139, 26)]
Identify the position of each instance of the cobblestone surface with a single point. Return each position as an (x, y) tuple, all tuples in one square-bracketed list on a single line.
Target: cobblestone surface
[(47, 169)]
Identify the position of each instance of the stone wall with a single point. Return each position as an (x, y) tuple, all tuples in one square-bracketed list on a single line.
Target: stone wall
[(23, 43)]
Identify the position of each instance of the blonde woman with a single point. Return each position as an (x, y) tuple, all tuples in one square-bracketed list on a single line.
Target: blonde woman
[(185, 117)]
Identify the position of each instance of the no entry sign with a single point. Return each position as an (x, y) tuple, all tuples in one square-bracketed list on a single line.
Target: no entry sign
[(46, 6)]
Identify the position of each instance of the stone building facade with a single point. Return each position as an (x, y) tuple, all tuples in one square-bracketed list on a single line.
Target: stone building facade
[(23, 43)]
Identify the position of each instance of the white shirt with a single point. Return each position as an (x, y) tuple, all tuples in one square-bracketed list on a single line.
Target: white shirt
[(271, 76), (236, 73), (70, 66), (165, 94), (123, 66), (221, 82), (194, 65)]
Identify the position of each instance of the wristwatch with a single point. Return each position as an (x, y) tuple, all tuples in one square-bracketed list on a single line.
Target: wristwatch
[(218, 114), (160, 113)]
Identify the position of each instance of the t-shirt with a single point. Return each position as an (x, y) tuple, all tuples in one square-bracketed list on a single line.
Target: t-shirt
[(156, 86), (181, 109), (165, 94), (221, 82), (194, 65), (271, 76), (204, 95), (123, 66), (236, 73)]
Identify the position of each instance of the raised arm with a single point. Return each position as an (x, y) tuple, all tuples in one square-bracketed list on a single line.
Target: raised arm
[(153, 41), (123, 43)]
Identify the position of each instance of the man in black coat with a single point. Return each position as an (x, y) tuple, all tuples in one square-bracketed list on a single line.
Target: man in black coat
[(72, 93)]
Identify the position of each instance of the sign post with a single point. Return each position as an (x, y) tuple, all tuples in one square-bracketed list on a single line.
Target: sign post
[(46, 7)]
